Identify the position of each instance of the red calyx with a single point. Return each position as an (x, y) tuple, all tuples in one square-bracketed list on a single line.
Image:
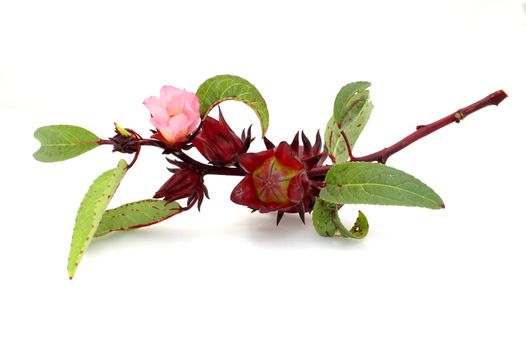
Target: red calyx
[(124, 144), (184, 183), (218, 143), (277, 178)]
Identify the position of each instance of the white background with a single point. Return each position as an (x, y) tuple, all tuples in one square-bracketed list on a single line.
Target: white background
[(225, 278)]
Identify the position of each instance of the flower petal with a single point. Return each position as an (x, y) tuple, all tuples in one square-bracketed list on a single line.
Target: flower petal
[(191, 110), (191, 105), (193, 124), (173, 99), (179, 126), (156, 110), (169, 137), (159, 123)]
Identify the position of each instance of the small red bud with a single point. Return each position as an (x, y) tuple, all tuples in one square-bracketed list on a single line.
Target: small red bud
[(218, 143), (184, 183)]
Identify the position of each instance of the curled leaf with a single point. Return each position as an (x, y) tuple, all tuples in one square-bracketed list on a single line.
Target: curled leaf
[(327, 223), (230, 87)]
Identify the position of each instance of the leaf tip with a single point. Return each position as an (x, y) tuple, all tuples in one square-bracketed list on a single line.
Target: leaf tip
[(71, 272)]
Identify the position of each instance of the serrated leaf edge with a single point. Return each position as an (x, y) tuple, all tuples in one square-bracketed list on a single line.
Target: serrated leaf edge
[(118, 172), (109, 211)]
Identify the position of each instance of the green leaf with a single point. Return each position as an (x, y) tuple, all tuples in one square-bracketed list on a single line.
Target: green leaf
[(348, 98), (352, 109), (322, 218), (230, 87), (91, 211), (373, 183), (327, 223), (359, 230), (61, 142), (135, 215)]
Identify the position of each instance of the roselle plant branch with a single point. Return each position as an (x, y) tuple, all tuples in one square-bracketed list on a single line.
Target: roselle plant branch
[(287, 177), (205, 169), (424, 130), (421, 131), (378, 156)]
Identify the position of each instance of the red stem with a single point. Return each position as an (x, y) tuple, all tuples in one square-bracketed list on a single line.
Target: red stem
[(206, 169), (421, 131), (136, 155), (424, 130)]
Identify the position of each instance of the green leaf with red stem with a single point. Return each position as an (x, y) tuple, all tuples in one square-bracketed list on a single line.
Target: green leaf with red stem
[(230, 87), (61, 142), (135, 215), (327, 223), (373, 183), (352, 109), (91, 211)]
